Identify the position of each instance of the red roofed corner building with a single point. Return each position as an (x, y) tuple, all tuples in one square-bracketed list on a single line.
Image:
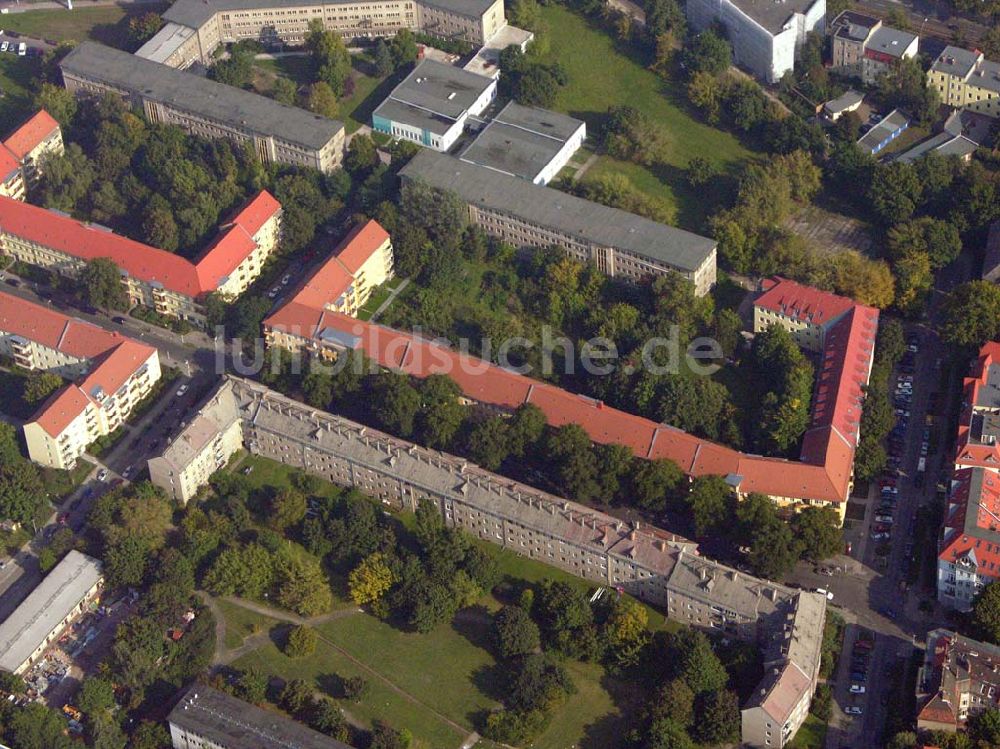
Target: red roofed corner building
[(960, 678), (969, 547), (112, 374), (22, 152), (823, 476), (167, 283)]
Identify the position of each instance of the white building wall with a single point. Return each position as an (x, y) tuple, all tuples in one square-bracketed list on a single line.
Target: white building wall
[(560, 159)]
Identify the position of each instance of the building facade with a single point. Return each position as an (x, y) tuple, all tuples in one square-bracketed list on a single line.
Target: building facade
[(430, 107), (966, 80), (163, 281), (766, 37), (277, 133), (35, 139), (196, 28), (959, 679), (619, 243), (864, 47), (41, 618), (204, 446)]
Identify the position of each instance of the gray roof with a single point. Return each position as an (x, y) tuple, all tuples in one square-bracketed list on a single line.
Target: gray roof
[(713, 583), (850, 24), (883, 131), (191, 93), (46, 606), (890, 41), (955, 61), (407, 114), (235, 724), (846, 100), (584, 220), (214, 418), (195, 13), (522, 140), (441, 89), (773, 15), (165, 42)]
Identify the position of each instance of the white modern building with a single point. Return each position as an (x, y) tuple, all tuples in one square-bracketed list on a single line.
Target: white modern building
[(766, 35), (431, 105), (49, 608)]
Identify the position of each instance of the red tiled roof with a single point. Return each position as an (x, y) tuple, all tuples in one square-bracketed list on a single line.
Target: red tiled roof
[(827, 454), (257, 212), (967, 451), (972, 519), (8, 164), (113, 357), (149, 264), (334, 277), (27, 137), (803, 303)]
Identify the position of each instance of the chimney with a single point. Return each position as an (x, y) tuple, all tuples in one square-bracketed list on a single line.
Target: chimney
[(661, 545)]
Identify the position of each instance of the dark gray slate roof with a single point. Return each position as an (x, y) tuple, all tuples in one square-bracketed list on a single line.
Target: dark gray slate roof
[(192, 93), (544, 206), (195, 13), (890, 41), (955, 61), (441, 89), (235, 724), (770, 14)]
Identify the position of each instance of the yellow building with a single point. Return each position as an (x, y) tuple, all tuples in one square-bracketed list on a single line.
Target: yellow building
[(23, 151), (966, 80), (360, 264), (162, 281), (113, 373)]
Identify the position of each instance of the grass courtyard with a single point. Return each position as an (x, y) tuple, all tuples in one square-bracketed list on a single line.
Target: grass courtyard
[(107, 24), (16, 75), (603, 74)]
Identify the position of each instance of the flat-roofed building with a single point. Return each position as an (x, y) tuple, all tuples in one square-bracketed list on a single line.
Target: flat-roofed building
[(112, 374), (165, 282), (196, 28), (766, 36), (201, 448), (279, 134), (56, 601), (621, 244), (884, 132), (527, 142), (431, 105), (206, 718), (966, 80)]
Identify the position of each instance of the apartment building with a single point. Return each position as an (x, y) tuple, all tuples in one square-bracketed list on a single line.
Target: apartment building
[(196, 28), (206, 718), (960, 677), (430, 107), (647, 562), (41, 618), (112, 374), (527, 142), (822, 476), (864, 47), (279, 134), (805, 312), (766, 36), (163, 281), (342, 285), (201, 448), (39, 136), (619, 243), (966, 80)]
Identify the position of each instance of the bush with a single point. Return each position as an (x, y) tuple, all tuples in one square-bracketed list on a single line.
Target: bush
[(822, 704), (301, 642)]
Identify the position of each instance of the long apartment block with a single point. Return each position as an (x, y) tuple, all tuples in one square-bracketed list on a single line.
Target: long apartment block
[(166, 283), (621, 244), (278, 133), (648, 562), (822, 475), (111, 374), (196, 28)]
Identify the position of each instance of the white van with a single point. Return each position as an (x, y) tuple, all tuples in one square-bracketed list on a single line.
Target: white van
[(22, 49)]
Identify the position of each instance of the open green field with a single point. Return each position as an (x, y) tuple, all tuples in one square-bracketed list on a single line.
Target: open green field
[(271, 473), (603, 74), (107, 24), (242, 623), (812, 734), (16, 75)]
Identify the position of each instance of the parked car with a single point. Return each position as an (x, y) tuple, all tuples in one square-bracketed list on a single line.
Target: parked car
[(102, 475), (858, 676), (854, 710), (119, 319), (3, 46), (248, 470), (825, 592), (285, 279), (181, 390)]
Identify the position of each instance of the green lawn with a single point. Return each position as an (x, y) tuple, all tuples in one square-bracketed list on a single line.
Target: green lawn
[(242, 623), (271, 473), (812, 734), (106, 24), (16, 74), (603, 74)]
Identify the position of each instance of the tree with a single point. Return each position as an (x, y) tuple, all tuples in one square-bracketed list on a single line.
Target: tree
[(984, 727), (569, 448), (34, 726), (524, 14), (894, 193), (818, 530), (96, 696), (327, 718), (150, 736), (355, 688), (709, 502), (441, 411), (526, 428), (383, 59), (286, 509), (695, 662), (370, 580), (285, 91), (322, 100), (709, 53), (626, 630), (236, 70), (159, 227), (385, 736), (301, 642), (295, 696), (706, 92), (488, 442), (125, 562), (719, 718), (863, 279), (58, 102), (142, 28), (404, 48), (514, 632), (972, 314), (939, 239), (986, 613), (560, 607), (251, 685), (663, 16), (101, 282), (40, 385), (330, 59), (361, 156), (914, 279), (396, 403), (675, 701), (301, 585), (245, 571), (665, 733)]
